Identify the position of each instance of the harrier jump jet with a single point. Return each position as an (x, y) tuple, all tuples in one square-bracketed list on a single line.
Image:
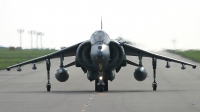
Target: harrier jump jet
[(100, 57)]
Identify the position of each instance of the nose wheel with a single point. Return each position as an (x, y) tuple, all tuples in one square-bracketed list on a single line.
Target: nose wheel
[(101, 88), (101, 85)]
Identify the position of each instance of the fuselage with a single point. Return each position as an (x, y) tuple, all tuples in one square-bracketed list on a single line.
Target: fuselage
[(100, 51), (100, 54)]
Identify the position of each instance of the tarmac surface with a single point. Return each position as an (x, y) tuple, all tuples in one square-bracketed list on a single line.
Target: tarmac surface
[(178, 90)]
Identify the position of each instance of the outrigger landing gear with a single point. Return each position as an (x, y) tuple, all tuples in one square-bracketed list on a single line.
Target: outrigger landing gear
[(48, 64), (154, 84)]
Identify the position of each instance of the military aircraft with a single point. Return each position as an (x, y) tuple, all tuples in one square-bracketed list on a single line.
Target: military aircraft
[(100, 57)]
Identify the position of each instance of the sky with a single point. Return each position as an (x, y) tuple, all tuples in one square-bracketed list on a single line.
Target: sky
[(151, 24)]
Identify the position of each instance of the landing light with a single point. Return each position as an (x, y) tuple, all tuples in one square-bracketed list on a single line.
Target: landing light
[(100, 78)]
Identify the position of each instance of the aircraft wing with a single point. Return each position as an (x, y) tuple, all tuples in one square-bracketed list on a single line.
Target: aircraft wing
[(69, 51), (134, 51)]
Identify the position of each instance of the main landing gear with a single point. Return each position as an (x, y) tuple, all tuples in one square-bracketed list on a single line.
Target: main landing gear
[(106, 85), (48, 64), (101, 84)]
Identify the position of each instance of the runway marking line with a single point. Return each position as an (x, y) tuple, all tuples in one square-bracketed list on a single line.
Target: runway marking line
[(88, 102)]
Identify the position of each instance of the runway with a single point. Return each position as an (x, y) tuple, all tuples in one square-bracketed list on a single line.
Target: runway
[(178, 90)]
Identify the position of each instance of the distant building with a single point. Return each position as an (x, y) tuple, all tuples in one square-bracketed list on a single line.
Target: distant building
[(63, 47), (19, 48)]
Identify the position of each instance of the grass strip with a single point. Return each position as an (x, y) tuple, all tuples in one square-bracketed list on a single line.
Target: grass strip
[(191, 54), (10, 57)]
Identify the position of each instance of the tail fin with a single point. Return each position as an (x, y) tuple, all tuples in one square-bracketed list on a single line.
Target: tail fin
[(101, 23)]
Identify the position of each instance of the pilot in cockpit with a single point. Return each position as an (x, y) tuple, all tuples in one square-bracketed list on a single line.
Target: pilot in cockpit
[(100, 36)]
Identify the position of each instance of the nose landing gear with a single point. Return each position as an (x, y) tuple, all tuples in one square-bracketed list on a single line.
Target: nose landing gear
[(101, 84)]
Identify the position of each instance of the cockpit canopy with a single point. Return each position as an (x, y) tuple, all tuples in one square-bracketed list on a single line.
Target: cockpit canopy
[(100, 36)]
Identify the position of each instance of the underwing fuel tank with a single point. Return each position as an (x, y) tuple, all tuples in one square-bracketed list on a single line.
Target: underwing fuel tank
[(100, 55), (62, 74), (140, 73)]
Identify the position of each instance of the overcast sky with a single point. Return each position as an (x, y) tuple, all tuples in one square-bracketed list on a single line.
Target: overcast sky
[(152, 24)]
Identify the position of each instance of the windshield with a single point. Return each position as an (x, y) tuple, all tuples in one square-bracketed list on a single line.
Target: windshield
[(100, 36)]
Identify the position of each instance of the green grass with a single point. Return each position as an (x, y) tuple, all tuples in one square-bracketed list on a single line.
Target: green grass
[(10, 57), (191, 54)]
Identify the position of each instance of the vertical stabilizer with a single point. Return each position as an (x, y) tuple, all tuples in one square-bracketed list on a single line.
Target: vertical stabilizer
[(101, 23)]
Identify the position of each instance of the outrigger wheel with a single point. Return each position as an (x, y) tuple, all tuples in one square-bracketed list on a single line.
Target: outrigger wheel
[(48, 87), (154, 85)]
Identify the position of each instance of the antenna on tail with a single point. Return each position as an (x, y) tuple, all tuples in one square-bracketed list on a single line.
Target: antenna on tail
[(101, 23)]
